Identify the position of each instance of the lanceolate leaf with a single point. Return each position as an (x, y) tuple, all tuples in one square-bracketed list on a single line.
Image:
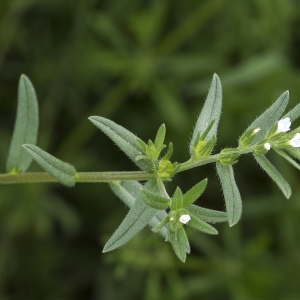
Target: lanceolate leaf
[(177, 199), (201, 226), (231, 193), (160, 136), (274, 174), (207, 215), (63, 172), (128, 192), (121, 192), (155, 200), (269, 117), (179, 241), (162, 224), (211, 111), (295, 153), (26, 127), (294, 113), (123, 138), (288, 158), (137, 218), (194, 193)]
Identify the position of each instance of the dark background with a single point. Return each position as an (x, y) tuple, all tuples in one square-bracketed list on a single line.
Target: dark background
[(144, 63)]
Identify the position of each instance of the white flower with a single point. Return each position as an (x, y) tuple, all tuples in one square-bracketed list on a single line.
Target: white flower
[(256, 130), (295, 141), (184, 219), (267, 146), (284, 125)]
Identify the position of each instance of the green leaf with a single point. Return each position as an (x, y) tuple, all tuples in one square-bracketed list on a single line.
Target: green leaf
[(26, 127), (142, 145), (294, 113), (288, 158), (205, 133), (207, 215), (177, 199), (162, 224), (63, 172), (231, 193), (274, 174), (179, 241), (154, 200), (206, 149), (169, 152), (137, 218), (128, 192), (292, 151), (194, 193), (201, 226), (123, 138), (158, 218), (211, 111), (160, 136), (269, 117), (127, 195)]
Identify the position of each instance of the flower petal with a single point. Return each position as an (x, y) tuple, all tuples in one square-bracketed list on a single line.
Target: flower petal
[(184, 218), (267, 146), (284, 125)]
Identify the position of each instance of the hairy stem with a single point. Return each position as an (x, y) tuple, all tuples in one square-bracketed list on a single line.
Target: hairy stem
[(190, 164), (80, 177), (94, 177), (162, 189)]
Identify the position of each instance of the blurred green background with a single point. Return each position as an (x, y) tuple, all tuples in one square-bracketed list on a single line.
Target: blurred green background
[(143, 63)]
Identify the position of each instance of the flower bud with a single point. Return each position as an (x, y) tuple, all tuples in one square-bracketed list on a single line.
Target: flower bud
[(228, 156)]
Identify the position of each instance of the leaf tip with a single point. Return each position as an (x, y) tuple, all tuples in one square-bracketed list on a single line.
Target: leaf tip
[(92, 118), (231, 224), (105, 249), (216, 76), (286, 94)]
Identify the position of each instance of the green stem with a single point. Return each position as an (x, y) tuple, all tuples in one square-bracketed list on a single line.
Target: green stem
[(162, 189), (112, 176), (190, 164), (93, 177), (197, 162), (80, 177)]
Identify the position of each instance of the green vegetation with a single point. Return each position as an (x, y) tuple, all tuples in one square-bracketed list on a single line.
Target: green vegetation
[(141, 64)]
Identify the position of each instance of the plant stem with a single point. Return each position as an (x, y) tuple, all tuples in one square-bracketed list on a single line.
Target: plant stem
[(207, 160), (197, 162), (93, 177), (80, 177), (112, 176), (162, 189)]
